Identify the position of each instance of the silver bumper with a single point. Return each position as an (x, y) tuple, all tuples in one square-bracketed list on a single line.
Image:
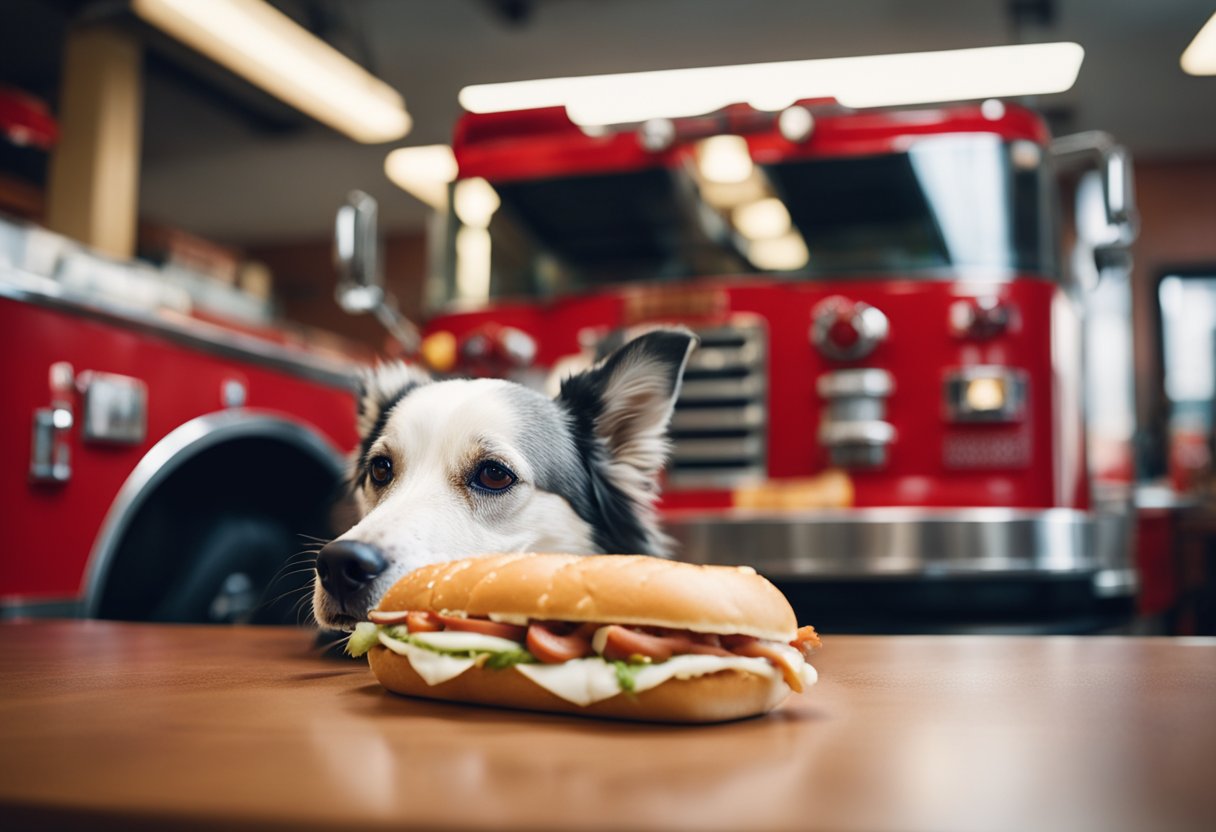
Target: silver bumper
[(900, 542)]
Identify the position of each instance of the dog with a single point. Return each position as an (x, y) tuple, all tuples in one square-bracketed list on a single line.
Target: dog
[(454, 468)]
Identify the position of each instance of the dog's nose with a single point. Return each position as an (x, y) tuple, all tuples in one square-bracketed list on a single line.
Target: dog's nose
[(346, 566)]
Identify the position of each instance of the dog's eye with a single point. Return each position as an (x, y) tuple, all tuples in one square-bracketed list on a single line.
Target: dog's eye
[(380, 469), (493, 476)]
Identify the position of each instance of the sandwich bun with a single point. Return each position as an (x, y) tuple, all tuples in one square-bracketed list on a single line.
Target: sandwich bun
[(630, 590), (715, 697), (634, 590)]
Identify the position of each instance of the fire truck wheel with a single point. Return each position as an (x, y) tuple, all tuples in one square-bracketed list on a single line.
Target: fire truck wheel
[(236, 575), (228, 538)]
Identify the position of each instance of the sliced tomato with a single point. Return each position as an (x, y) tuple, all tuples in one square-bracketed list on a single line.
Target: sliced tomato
[(551, 646), (423, 622), (484, 626)]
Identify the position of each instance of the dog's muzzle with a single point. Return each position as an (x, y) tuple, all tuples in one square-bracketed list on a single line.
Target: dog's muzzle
[(346, 567)]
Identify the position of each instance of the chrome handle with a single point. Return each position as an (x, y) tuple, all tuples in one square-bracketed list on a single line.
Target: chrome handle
[(50, 456)]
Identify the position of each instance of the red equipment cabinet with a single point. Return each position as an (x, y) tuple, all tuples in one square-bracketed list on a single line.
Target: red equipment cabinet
[(928, 344), (158, 465)]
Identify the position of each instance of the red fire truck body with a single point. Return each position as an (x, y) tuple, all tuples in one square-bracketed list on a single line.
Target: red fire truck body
[(150, 452), (927, 344)]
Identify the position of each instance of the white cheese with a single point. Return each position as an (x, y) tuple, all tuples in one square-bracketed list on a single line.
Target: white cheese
[(581, 681), (433, 667), (689, 667), (584, 681), (459, 640)]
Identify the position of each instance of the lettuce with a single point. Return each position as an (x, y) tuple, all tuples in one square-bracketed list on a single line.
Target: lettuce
[(367, 635), (364, 638), (626, 675)]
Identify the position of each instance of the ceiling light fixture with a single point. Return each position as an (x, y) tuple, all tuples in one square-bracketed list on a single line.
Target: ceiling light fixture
[(765, 219), (270, 50), (423, 172), (869, 81), (724, 159), (786, 253), (1200, 57)]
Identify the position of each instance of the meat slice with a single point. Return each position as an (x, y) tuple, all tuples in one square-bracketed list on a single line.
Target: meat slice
[(557, 643), (785, 658), (624, 643), (485, 626)]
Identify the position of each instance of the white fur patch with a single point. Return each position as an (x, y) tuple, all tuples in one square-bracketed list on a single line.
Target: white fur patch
[(428, 513)]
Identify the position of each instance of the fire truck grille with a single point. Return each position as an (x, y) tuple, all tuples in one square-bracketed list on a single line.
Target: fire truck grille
[(720, 426)]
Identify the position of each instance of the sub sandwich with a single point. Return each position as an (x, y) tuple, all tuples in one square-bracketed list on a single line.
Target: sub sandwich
[(617, 636)]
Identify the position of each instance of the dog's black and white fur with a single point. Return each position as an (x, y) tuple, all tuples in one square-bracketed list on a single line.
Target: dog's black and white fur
[(448, 469)]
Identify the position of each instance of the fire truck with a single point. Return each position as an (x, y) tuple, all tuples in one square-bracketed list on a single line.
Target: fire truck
[(160, 461), (908, 404)]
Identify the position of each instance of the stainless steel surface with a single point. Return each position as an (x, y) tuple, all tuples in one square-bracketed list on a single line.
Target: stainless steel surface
[(719, 427), (894, 541), (1099, 151), (833, 434), (796, 124), (870, 327), (863, 381), (731, 448), (50, 454), (853, 426), (50, 448), (980, 317), (719, 418), (657, 134), (115, 408), (233, 393), (19, 607), (360, 280), (711, 390), (171, 452)]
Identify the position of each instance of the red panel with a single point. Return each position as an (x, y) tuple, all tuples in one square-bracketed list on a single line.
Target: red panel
[(541, 143), (918, 353), (50, 529), (1156, 562)]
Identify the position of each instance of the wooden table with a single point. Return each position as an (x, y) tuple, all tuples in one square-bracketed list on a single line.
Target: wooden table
[(125, 726)]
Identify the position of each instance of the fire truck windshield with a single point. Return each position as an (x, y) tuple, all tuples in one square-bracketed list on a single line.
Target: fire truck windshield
[(956, 202)]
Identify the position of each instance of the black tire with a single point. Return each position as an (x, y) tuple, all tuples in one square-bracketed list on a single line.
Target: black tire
[(229, 538)]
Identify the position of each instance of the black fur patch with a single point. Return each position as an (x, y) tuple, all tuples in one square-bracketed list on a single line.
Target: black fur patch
[(612, 515), (615, 526), (385, 400)]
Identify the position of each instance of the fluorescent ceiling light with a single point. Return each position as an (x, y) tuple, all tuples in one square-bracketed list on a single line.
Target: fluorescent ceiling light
[(269, 49), (724, 159), (473, 263), (1200, 57), (424, 172), (475, 202), (781, 254), (764, 219), (871, 81)]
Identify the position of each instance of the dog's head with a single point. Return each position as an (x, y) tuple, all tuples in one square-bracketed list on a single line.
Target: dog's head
[(448, 469)]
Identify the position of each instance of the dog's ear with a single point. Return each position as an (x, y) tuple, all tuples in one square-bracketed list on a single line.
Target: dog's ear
[(624, 405), (380, 388)]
